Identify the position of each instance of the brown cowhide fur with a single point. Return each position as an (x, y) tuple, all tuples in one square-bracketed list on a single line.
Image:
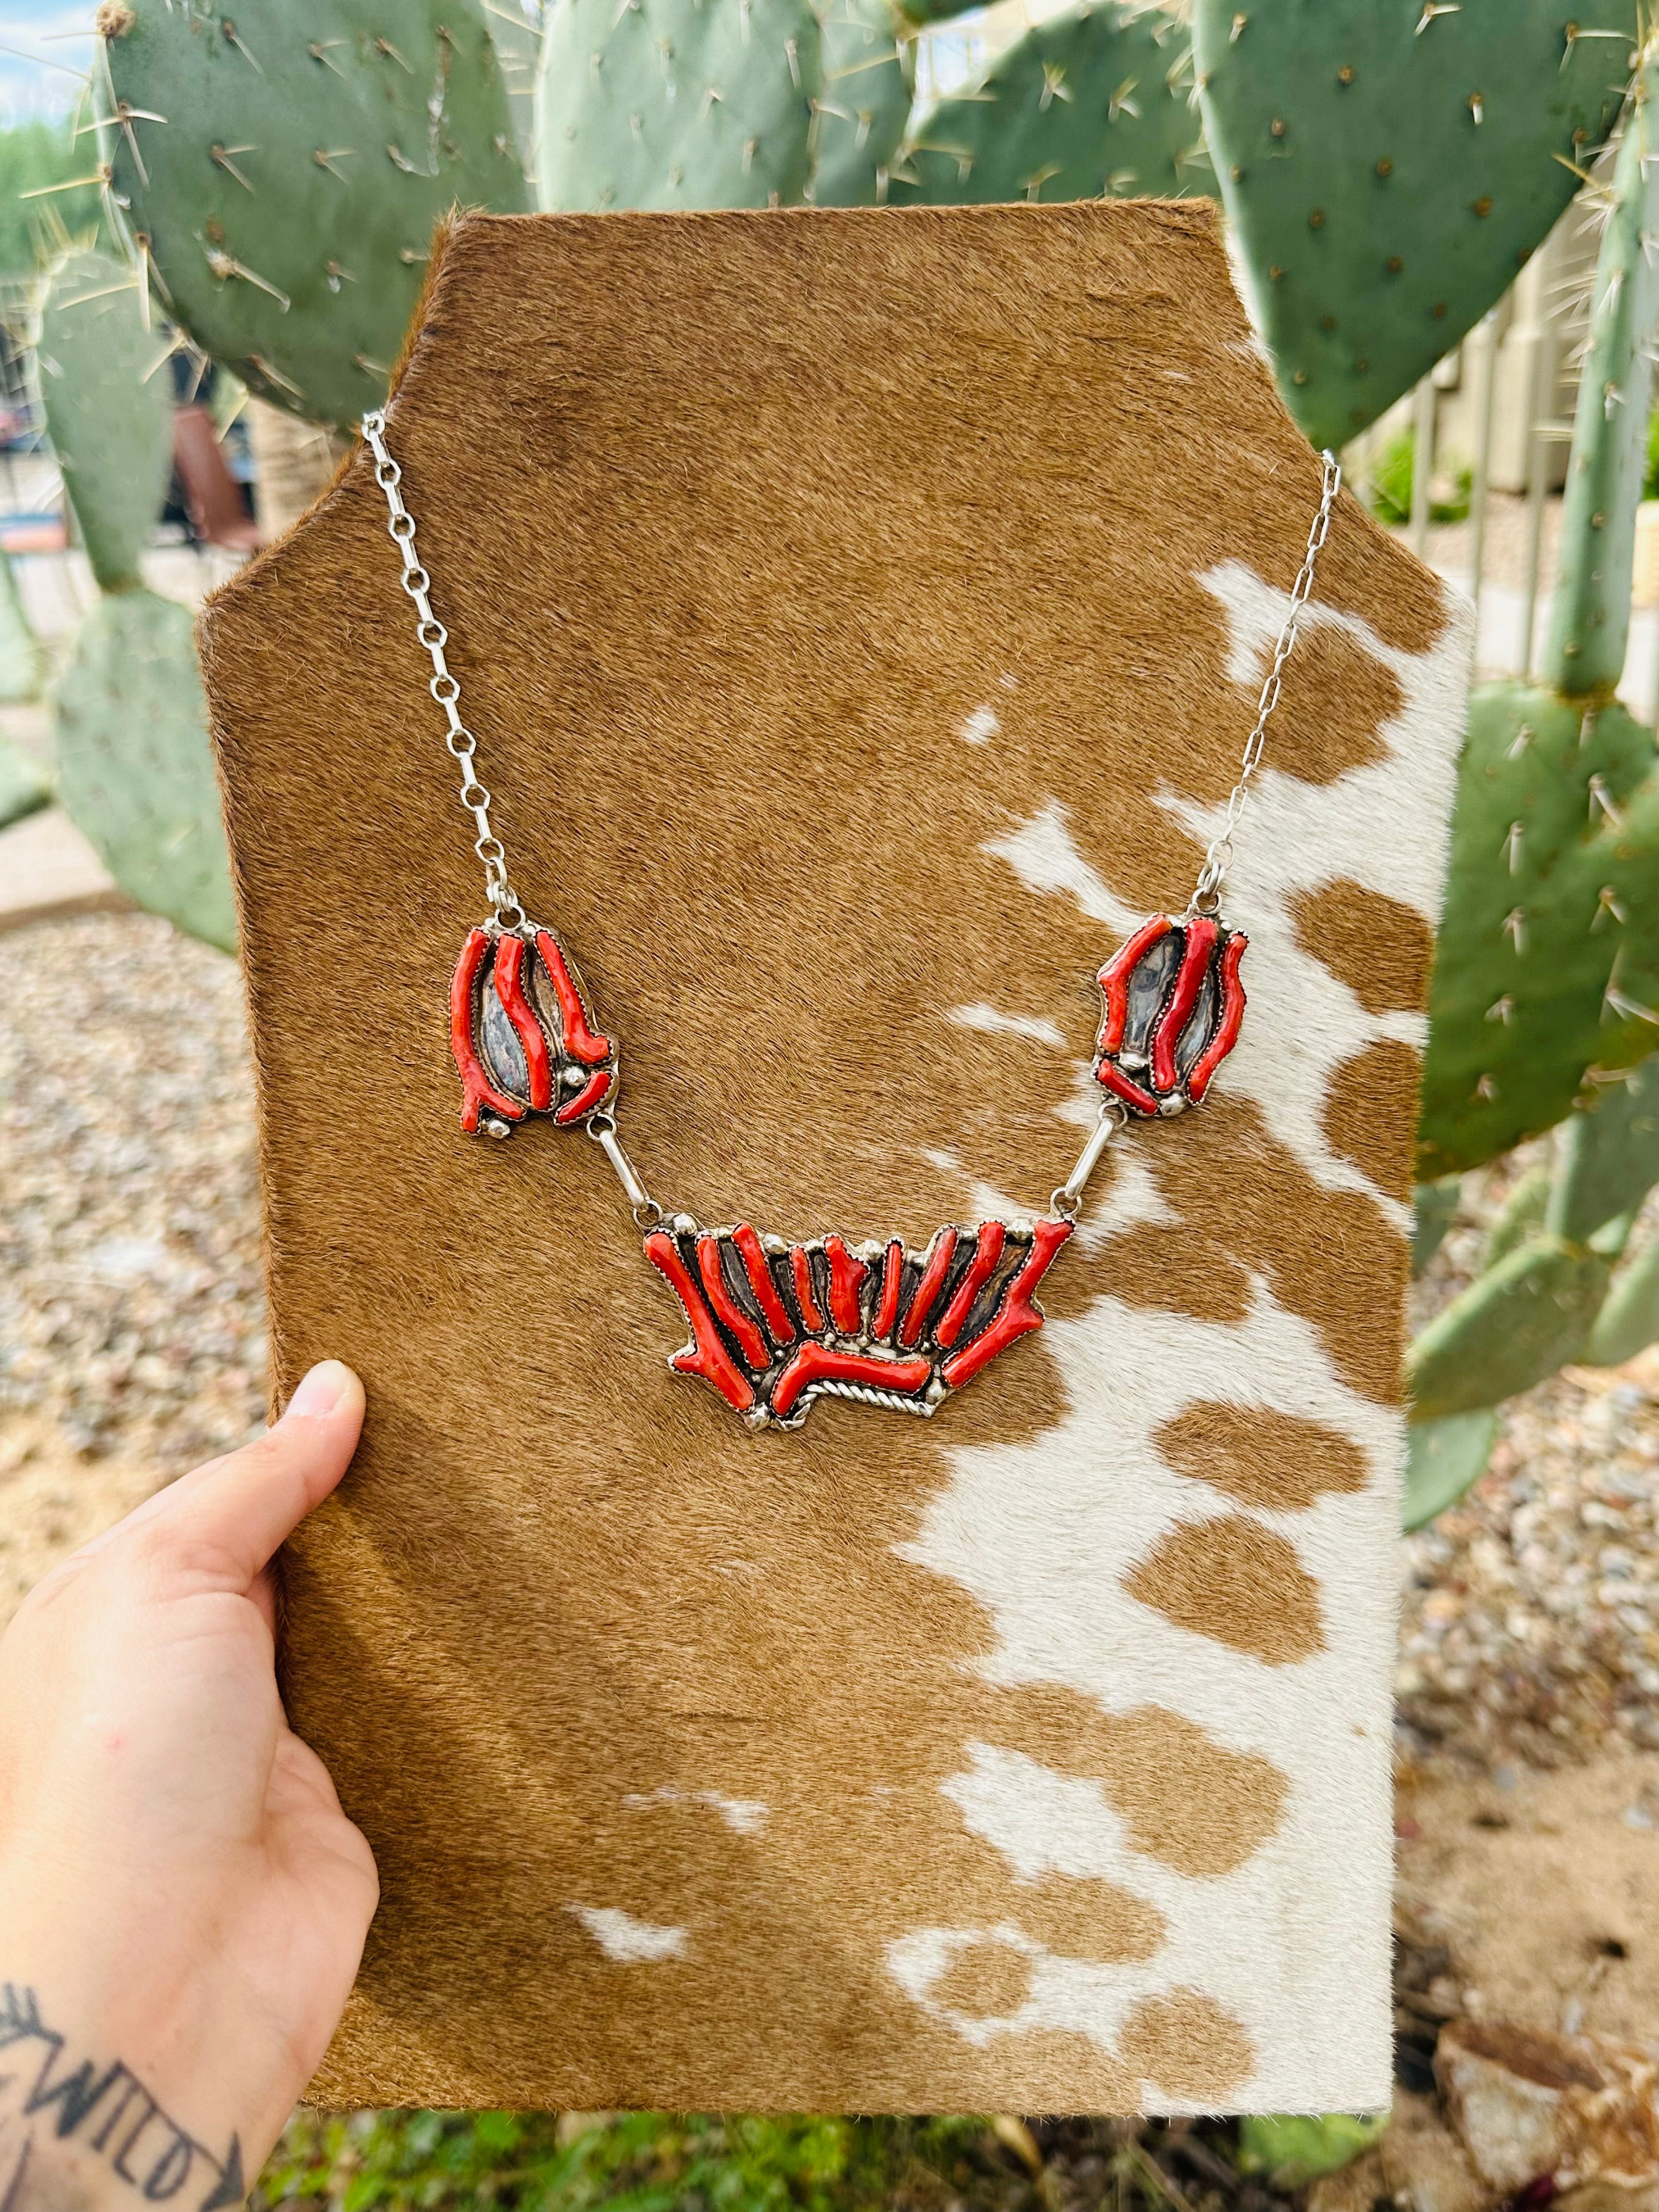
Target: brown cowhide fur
[(810, 578)]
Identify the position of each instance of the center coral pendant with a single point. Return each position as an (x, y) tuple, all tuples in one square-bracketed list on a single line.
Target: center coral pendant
[(776, 1325)]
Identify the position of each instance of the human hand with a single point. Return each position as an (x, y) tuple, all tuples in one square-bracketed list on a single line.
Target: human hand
[(183, 1904)]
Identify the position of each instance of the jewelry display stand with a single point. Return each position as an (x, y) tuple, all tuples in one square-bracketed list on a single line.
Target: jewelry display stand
[(861, 615)]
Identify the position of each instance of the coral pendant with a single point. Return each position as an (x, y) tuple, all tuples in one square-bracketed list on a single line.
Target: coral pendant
[(1174, 1007), (522, 1034), (776, 1325)]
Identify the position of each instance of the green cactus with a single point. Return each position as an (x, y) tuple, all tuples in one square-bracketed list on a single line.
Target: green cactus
[(1513, 1326), (24, 789), (1388, 165), (1444, 1458), (109, 408), (1607, 1158), (22, 664), (1433, 1208), (1589, 624), (134, 766), (1547, 965), (1523, 1216), (865, 105), (670, 104), (287, 201), (1629, 1320), (1095, 102)]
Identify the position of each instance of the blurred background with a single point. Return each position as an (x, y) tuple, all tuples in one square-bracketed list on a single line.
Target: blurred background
[(1445, 219)]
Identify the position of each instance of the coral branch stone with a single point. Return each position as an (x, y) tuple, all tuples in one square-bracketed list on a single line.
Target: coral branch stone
[(1174, 1004)]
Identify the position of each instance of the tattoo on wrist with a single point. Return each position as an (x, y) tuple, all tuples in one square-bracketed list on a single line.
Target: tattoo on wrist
[(105, 2111)]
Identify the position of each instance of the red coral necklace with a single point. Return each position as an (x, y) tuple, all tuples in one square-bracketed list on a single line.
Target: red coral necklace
[(776, 1324)]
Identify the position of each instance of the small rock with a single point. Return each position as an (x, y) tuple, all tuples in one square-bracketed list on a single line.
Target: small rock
[(1532, 2106), (1424, 2167)]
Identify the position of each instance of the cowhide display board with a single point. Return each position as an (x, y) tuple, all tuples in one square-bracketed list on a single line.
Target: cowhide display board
[(862, 616)]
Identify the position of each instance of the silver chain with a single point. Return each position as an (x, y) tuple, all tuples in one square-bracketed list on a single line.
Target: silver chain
[(444, 687), (1206, 897), (1065, 1203)]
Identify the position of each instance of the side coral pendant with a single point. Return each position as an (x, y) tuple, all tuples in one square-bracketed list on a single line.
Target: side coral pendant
[(523, 1035), (776, 1325), (1174, 1007)]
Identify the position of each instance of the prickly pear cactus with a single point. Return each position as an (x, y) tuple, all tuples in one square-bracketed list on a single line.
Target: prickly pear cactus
[(1389, 165), (109, 408), (1093, 102), (676, 104), (1514, 1325), (287, 201), (862, 111), (23, 663), (1607, 1158), (1546, 963), (24, 789), (134, 767), (1589, 623)]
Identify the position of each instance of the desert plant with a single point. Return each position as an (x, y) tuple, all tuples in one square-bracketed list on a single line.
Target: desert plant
[(134, 767), (1546, 987)]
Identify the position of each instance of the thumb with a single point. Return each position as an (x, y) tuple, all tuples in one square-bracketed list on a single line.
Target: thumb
[(243, 1506)]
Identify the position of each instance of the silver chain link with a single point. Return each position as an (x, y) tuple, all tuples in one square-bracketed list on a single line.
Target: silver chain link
[(1206, 897), (445, 686)]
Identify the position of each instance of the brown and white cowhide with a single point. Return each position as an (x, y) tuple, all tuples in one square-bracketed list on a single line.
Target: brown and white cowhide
[(861, 615)]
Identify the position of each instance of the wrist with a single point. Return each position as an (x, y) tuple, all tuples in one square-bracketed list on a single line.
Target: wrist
[(83, 2127)]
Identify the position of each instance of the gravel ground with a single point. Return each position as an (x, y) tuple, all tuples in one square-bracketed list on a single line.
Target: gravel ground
[(132, 1345), (132, 1307)]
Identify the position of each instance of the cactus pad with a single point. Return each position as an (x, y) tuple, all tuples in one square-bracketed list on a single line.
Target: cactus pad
[(670, 104), (1589, 617), (1547, 965), (865, 105), (1629, 1320), (134, 767), (1513, 1326), (1444, 1458), (109, 409), (24, 789), (1095, 102), (1609, 1156), (1388, 165), (286, 203), (23, 663)]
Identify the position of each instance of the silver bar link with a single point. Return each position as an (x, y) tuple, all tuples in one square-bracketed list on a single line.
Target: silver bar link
[(601, 1128), (444, 687), (1065, 1204), (1206, 897)]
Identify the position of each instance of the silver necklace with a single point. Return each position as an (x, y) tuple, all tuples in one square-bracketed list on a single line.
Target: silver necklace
[(777, 1324)]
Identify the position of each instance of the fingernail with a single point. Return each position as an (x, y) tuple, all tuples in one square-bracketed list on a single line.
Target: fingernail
[(321, 1390)]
